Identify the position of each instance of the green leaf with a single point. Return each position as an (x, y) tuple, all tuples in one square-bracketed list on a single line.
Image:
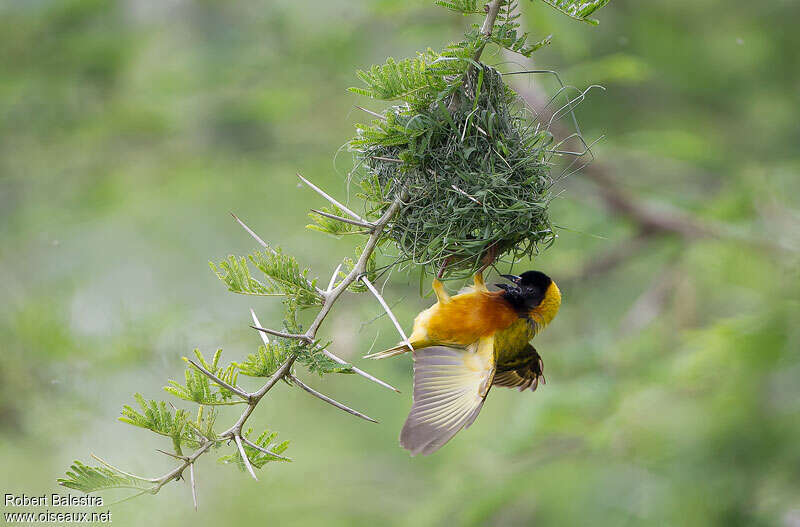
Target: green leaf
[(257, 458), (282, 277), (236, 275), (417, 80), (467, 7), (331, 226), (165, 421), (267, 360), (91, 479), (312, 357), (285, 276), (200, 389), (577, 9)]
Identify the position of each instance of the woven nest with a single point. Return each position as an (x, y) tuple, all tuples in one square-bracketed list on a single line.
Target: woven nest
[(473, 170)]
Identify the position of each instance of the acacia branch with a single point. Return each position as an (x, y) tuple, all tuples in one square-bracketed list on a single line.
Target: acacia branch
[(486, 30), (492, 8), (329, 297), (324, 351), (284, 371)]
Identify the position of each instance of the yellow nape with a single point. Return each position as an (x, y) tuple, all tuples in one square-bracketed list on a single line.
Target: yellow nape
[(545, 312)]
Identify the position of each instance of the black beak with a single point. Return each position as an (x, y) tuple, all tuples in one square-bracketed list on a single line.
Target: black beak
[(512, 278)]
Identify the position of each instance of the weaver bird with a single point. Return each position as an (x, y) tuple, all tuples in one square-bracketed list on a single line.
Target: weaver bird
[(465, 344)]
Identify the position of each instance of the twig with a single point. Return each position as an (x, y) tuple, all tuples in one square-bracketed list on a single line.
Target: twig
[(388, 311), (328, 303), (492, 8), (257, 396), (359, 268), (173, 474), (328, 400), (333, 201), (325, 352)]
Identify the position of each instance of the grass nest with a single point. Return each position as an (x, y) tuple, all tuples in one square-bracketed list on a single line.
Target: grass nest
[(473, 170)]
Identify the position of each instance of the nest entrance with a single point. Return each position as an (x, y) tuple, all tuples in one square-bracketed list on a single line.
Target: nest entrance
[(474, 167)]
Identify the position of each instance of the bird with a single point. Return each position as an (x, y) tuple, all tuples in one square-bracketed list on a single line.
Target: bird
[(467, 343)]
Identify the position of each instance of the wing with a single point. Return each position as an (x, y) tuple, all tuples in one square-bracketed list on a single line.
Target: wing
[(525, 371), (450, 386)]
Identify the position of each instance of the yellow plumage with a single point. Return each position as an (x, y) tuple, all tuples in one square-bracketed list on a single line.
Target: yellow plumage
[(466, 343)]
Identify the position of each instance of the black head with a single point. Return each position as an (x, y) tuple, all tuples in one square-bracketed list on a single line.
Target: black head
[(528, 291)]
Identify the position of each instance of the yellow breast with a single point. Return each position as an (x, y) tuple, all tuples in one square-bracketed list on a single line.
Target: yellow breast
[(512, 341)]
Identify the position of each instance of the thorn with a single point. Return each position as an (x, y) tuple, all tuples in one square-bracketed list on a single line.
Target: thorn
[(379, 116), (388, 311), (170, 454), (333, 201), (328, 400), (264, 450), (261, 242), (250, 231), (194, 490), (343, 220), (245, 459), (264, 337), (333, 279), (282, 334), (358, 371), (241, 393)]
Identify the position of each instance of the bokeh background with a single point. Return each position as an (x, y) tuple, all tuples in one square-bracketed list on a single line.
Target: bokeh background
[(130, 129)]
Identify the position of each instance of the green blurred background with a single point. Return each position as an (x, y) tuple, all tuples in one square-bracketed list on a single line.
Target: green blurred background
[(130, 129)]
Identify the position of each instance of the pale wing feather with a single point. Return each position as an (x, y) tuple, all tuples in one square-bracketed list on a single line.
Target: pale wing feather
[(450, 386)]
